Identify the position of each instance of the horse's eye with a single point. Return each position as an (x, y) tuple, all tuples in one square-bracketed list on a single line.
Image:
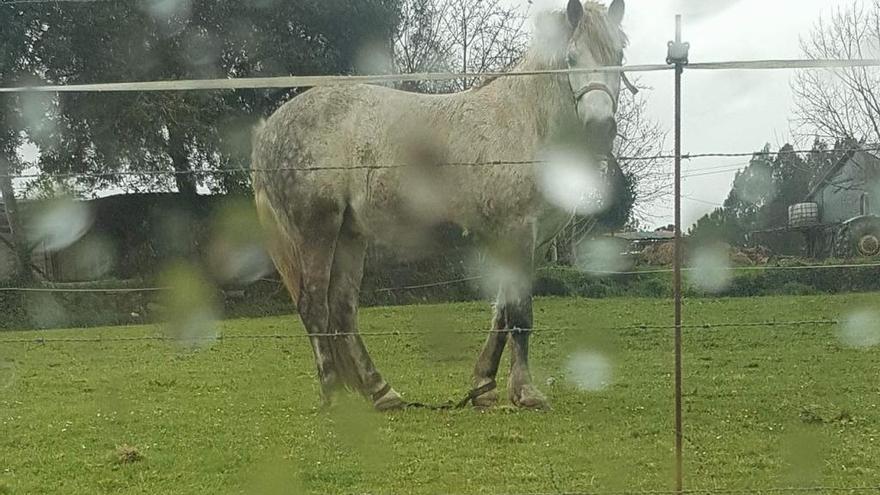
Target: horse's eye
[(572, 59)]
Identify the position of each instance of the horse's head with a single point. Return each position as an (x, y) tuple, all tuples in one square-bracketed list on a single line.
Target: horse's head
[(595, 40)]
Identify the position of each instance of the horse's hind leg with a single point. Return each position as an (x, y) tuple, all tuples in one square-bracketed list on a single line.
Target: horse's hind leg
[(315, 252), (355, 363)]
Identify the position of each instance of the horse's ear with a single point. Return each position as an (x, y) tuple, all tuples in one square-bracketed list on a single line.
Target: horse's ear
[(574, 12), (616, 11)]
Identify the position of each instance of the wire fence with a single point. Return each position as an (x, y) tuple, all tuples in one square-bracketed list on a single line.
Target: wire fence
[(404, 333), (313, 81), (470, 279), (487, 163)]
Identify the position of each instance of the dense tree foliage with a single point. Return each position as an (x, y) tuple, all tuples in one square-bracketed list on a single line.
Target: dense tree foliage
[(763, 191), (179, 39), (13, 71)]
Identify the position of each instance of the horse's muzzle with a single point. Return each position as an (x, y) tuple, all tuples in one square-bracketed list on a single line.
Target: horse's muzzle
[(600, 134)]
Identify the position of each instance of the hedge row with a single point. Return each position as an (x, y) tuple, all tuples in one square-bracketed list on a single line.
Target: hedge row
[(30, 310)]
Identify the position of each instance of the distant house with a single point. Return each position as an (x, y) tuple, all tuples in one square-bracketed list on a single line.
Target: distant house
[(638, 241), (849, 188)]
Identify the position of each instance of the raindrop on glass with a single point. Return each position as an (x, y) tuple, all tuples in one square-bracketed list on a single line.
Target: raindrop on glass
[(710, 270), (860, 329), (603, 256), (589, 371), (573, 182), (59, 223)]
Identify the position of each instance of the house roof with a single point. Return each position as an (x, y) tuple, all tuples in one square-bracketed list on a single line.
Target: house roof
[(833, 169)]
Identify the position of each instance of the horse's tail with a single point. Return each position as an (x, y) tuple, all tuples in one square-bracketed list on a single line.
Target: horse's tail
[(281, 246)]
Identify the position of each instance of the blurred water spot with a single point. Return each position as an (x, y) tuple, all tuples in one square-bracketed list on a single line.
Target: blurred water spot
[(59, 224), (45, 311), (357, 428), (573, 182), (550, 34), (601, 256), (274, 475), (589, 371), (8, 374), (246, 264), (442, 343), (237, 250), (7, 264), (710, 269), (802, 451), (189, 306), (36, 108), (425, 193), (860, 329), (93, 257), (495, 275), (374, 58), (202, 50), (756, 185), (699, 10), (165, 10)]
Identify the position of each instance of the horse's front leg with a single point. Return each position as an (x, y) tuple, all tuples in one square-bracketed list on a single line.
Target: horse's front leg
[(512, 324), (520, 389), (489, 360)]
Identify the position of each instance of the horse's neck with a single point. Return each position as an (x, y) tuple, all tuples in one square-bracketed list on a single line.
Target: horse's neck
[(546, 100)]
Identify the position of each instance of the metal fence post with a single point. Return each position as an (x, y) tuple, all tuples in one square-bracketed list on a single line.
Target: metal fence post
[(678, 55)]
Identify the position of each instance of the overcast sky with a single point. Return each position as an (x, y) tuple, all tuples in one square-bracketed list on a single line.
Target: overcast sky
[(723, 111)]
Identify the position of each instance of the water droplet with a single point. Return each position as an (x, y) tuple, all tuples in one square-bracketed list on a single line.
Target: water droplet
[(603, 256), (374, 58), (755, 185), (589, 371), (93, 258), (202, 51), (8, 374), (165, 10), (860, 329), (573, 182), (45, 311), (710, 270), (36, 108), (495, 275), (357, 428), (237, 250), (59, 224), (7, 264), (442, 343), (189, 306)]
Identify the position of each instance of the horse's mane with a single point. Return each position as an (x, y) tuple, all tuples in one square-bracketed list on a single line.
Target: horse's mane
[(606, 40)]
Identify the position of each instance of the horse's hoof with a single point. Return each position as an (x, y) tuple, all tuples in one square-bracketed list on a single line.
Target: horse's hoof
[(529, 397), (486, 400), (390, 401)]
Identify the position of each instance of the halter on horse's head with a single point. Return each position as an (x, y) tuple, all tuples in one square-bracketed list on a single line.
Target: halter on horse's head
[(596, 40)]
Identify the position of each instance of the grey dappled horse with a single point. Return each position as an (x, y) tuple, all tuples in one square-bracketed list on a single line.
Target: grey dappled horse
[(339, 166)]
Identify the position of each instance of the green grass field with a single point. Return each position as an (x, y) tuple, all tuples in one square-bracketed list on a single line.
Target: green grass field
[(765, 407)]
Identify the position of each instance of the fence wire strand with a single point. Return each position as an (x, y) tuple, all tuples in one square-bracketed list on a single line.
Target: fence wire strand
[(488, 163), (340, 80), (220, 337), (462, 280)]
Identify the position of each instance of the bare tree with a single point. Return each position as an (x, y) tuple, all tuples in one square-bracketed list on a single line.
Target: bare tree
[(841, 104), (471, 36), (640, 144)]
